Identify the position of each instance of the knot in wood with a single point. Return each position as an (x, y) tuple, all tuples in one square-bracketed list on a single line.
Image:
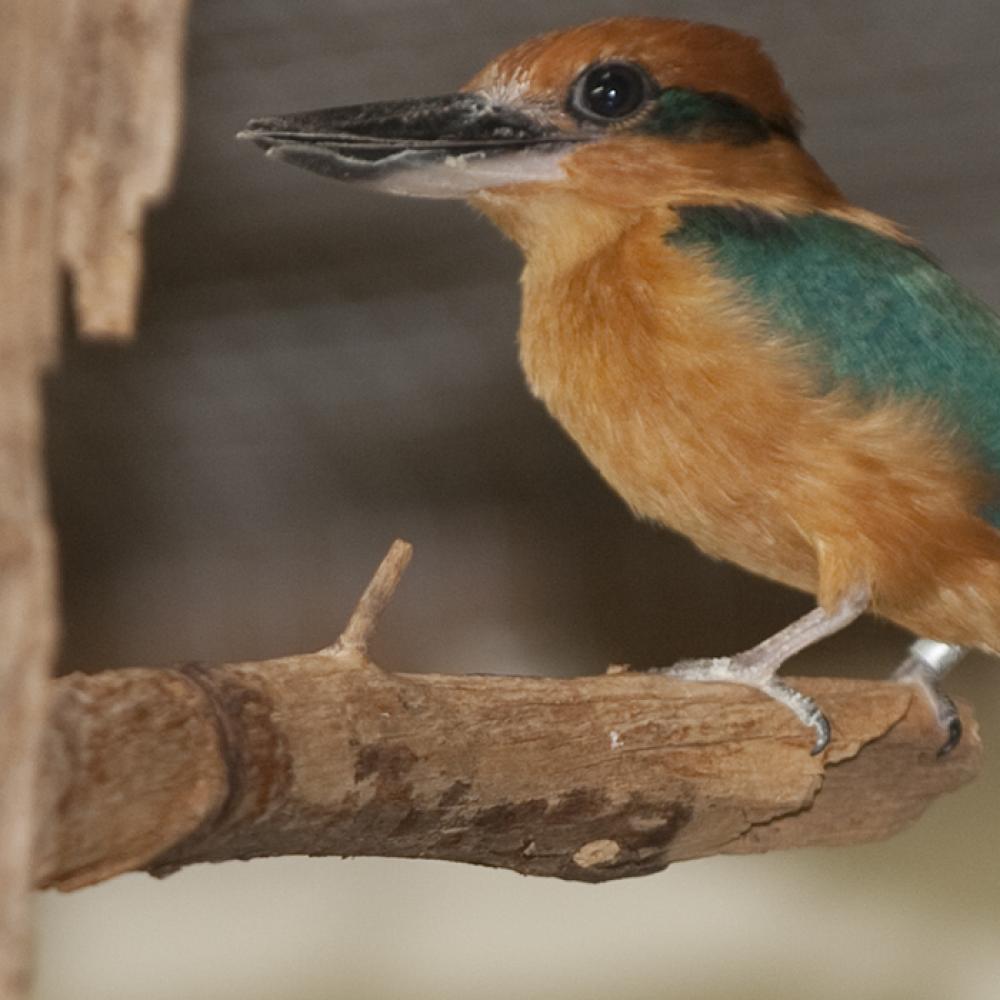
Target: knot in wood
[(597, 852)]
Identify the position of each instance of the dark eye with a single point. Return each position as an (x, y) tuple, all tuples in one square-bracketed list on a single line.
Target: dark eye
[(609, 91)]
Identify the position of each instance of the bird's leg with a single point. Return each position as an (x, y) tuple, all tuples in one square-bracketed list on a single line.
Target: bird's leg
[(924, 668), (756, 667)]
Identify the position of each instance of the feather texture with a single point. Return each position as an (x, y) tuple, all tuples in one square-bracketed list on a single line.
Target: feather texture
[(704, 417), (877, 317)]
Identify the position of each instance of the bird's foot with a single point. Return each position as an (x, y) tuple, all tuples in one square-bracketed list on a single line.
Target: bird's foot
[(752, 671), (757, 667), (924, 668)]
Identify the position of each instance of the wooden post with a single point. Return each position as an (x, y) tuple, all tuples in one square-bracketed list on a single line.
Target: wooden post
[(89, 106)]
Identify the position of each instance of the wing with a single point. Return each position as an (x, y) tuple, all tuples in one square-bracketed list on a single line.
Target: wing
[(876, 313)]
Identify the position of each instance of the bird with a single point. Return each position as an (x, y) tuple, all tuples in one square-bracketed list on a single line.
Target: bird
[(747, 358)]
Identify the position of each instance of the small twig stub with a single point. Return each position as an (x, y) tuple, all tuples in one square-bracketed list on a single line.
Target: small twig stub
[(364, 619)]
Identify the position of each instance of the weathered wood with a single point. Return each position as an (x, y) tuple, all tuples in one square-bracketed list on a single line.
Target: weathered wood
[(122, 122), (593, 778), (28, 304), (89, 100)]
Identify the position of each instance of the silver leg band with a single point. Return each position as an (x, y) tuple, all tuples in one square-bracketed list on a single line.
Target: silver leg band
[(940, 657)]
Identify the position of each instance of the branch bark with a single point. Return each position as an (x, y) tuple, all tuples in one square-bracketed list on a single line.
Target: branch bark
[(593, 779)]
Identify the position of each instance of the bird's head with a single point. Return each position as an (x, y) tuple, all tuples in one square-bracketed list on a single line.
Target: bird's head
[(624, 112)]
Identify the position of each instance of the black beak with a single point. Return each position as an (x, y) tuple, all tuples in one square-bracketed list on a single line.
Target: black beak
[(373, 142)]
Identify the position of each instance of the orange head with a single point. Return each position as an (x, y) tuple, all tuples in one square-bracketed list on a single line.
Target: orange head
[(625, 112), (561, 72)]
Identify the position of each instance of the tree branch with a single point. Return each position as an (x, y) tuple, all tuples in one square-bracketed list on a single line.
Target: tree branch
[(593, 778)]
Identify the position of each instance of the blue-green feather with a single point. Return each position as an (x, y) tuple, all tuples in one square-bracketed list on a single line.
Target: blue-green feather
[(875, 314), (685, 115)]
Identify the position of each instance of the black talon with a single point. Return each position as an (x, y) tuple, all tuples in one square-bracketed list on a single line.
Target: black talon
[(949, 720), (821, 724), (924, 668)]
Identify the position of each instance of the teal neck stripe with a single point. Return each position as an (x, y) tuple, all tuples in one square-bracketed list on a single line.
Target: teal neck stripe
[(699, 116)]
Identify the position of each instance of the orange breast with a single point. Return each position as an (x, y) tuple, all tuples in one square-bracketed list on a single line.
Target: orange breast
[(672, 406)]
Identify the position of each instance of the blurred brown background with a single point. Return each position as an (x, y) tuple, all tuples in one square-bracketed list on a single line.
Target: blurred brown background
[(320, 370)]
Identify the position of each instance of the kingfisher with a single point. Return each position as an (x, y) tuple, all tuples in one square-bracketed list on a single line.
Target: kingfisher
[(745, 356)]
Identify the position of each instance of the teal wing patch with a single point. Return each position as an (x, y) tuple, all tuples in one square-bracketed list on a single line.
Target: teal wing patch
[(875, 313)]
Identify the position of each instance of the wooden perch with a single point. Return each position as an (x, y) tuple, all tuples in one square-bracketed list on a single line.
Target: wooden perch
[(593, 778)]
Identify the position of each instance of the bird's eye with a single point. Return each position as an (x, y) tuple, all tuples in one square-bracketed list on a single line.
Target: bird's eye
[(609, 91)]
